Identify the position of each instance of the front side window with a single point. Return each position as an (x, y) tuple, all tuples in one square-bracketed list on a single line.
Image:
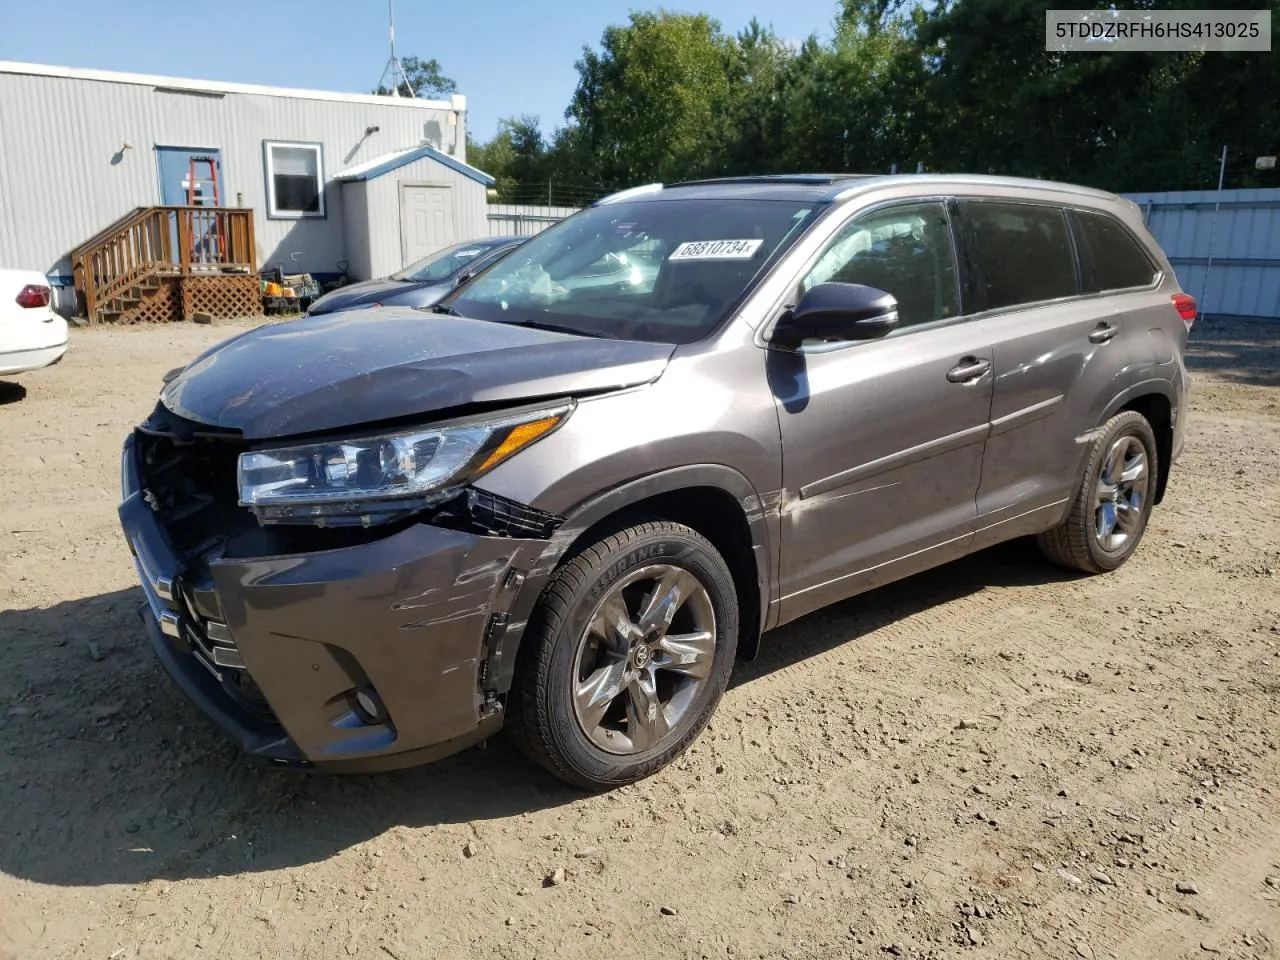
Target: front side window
[(668, 271), (904, 250), (1021, 252), (443, 264), (1110, 257), (295, 180)]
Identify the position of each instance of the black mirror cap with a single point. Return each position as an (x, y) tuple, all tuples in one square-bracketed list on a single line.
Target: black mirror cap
[(839, 311)]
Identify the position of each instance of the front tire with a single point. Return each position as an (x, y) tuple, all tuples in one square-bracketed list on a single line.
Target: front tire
[(1112, 505), (627, 656)]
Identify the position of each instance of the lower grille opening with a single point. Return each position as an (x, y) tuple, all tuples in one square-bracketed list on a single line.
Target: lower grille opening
[(235, 681), (240, 686)]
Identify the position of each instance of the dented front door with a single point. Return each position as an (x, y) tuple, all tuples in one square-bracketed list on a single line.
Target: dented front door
[(882, 448)]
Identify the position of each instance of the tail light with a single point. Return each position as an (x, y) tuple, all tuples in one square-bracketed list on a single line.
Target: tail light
[(33, 295), (1185, 304)]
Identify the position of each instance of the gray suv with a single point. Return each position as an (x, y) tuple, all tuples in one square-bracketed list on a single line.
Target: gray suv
[(571, 494)]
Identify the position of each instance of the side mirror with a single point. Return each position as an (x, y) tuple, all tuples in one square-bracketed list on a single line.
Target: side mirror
[(838, 311)]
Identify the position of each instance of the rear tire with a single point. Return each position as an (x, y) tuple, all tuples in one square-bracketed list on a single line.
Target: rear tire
[(1113, 503), (627, 656)]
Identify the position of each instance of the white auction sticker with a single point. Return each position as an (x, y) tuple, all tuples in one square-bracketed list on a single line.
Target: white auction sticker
[(716, 250)]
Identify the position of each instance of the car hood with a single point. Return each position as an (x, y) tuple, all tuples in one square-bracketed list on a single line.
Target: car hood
[(359, 367), (363, 294)]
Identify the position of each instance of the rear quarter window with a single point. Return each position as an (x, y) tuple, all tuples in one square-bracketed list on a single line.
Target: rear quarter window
[(1020, 252), (1111, 258)]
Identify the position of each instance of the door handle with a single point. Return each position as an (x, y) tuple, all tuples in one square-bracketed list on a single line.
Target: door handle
[(1103, 332), (968, 370)]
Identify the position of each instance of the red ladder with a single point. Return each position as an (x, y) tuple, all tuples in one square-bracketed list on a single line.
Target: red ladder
[(208, 238)]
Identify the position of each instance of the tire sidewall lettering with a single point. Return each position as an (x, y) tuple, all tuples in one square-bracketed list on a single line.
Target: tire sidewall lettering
[(635, 557)]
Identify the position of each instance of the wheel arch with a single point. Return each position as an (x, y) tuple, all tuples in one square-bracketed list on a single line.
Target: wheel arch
[(1155, 399), (716, 500)]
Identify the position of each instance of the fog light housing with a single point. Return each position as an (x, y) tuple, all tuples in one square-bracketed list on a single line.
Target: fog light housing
[(369, 706)]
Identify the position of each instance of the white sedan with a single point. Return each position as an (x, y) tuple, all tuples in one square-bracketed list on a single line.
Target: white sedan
[(31, 334)]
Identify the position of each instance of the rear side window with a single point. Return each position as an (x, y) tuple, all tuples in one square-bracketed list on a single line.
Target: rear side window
[(1021, 253), (1110, 257)]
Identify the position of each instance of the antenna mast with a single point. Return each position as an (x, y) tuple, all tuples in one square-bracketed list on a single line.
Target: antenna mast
[(394, 68)]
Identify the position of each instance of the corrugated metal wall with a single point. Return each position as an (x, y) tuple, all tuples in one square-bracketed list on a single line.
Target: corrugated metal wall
[(383, 193), (1243, 247), (65, 174), (523, 220), (355, 228)]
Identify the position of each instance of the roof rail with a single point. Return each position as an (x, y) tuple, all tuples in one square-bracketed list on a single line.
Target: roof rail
[(802, 179), (628, 193)]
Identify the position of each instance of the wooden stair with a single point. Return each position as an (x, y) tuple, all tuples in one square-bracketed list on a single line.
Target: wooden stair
[(167, 263)]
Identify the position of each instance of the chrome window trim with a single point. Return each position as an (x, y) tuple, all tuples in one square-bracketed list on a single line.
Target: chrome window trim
[(761, 309)]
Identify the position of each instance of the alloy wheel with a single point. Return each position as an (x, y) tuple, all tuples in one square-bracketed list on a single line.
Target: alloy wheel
[(647, 651), (1121, 494)]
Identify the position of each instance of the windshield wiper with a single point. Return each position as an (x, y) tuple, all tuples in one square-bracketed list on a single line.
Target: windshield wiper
[(535, 324), (558, 328)]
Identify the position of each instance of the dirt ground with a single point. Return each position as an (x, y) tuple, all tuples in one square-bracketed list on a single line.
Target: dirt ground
[(993, 759)]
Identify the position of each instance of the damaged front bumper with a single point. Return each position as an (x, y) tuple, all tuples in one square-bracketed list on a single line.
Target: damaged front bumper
[(366, 657)]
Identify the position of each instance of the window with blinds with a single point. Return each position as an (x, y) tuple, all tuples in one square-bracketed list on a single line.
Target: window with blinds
[(295, 180)]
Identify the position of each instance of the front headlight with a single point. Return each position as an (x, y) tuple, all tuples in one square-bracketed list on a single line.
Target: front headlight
[(375, 479)]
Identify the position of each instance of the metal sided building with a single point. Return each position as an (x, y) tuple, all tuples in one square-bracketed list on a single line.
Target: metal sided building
[(121, 185), (1224, 246), (427, 196)]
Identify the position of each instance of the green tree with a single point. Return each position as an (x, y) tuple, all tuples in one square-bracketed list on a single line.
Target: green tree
[(848, 104), (1121, 121), (528, 154), (517, 158), (572, 168), (752, 122), (960, 85), (871, 16), (425, 78), (649, 101), (495, 159)]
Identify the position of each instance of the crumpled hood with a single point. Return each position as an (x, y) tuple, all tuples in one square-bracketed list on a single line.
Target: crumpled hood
[(385, 292), (356, 367)]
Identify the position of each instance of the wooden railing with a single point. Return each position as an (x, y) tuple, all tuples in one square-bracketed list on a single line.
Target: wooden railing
[(161, 241)]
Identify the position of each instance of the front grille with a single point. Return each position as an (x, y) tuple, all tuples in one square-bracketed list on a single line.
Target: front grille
[(188, 476)]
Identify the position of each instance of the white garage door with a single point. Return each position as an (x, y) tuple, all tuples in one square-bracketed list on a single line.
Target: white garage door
[(426, 220)]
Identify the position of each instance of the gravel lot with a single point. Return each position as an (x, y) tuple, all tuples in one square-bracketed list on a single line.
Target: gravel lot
[(993, 759)]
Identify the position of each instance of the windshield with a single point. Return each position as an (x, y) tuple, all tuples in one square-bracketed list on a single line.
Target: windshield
[(443, 264), (662, 270)]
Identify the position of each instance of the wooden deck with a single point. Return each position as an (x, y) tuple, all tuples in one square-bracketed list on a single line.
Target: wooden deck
[(168, 263)]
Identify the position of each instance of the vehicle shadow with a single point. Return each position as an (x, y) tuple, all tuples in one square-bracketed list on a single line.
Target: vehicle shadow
[(1016, 563), (11, 392), (1237, 350), (107, 775)]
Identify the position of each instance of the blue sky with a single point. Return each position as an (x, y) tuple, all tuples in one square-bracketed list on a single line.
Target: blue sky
[(508, 57)]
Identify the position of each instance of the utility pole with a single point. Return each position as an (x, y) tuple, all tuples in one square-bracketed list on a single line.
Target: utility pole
[(1213, 227)]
